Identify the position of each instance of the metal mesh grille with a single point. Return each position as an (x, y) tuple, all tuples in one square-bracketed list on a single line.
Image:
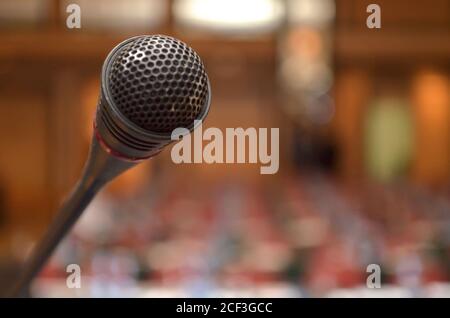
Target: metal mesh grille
[(158, 83)]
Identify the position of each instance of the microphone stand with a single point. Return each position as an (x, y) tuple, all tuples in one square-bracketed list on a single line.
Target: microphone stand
[(100, 168)]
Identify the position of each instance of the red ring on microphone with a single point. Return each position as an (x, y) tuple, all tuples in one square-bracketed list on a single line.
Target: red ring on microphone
[(115, 153)]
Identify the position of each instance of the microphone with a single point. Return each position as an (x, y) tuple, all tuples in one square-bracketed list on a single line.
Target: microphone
[(150, 85)]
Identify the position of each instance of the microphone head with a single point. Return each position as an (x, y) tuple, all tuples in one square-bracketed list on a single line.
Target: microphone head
[(151, 85)]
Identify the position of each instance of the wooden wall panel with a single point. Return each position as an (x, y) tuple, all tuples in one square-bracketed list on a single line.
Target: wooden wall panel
[(23, 162), (431, 101)]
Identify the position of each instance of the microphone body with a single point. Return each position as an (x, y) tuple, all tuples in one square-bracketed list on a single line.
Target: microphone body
[(150, 86)]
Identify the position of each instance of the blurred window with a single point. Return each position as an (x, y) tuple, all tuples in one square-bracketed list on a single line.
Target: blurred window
[(306, 69), (231, 16)]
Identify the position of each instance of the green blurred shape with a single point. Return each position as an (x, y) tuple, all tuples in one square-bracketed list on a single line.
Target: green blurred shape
[(388, 138)]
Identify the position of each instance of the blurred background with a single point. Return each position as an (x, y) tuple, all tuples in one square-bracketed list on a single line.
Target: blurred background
[(364, 118)]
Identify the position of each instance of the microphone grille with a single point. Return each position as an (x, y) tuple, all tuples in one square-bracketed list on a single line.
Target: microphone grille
[(158, 83)]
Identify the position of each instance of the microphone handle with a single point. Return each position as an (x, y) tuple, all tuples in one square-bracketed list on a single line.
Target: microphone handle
[(101, 167)]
